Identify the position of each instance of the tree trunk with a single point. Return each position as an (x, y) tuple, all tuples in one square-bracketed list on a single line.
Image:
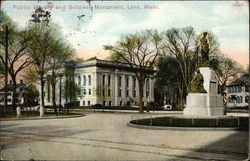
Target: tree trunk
[(141, 86), (14, 94), (42, 96), (53, 84)]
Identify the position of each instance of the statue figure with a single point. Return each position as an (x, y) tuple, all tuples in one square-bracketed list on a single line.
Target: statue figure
[(197, 83), (204, 50)]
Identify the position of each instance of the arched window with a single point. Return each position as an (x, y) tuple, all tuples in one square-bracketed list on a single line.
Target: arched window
[(89, 79), (84, 80)]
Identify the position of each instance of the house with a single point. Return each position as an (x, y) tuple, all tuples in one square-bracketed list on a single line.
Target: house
[(108, 83), (20, 89), (237, 95)]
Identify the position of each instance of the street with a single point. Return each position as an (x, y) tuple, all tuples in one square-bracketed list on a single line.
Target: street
[(105, 136)]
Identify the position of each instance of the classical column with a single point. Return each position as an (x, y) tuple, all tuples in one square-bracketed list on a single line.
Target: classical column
[(123, 87), (116, 87), (131, 87), (151, 91)]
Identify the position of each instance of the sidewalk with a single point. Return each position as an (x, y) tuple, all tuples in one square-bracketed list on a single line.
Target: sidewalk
[(130, 111)]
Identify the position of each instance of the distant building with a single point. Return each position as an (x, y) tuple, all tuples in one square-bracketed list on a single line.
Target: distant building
[(103, 82), (21, 87), (237, 95)]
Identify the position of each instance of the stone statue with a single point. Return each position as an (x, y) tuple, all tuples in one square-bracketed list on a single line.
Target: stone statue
[(204, 50), (197, 84)]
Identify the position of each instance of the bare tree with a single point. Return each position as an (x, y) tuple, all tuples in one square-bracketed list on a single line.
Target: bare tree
[(183, 46), (140, 51), (18, 58), (225, 70)]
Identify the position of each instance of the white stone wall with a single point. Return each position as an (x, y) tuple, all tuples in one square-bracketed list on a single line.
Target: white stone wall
[(97, 87)]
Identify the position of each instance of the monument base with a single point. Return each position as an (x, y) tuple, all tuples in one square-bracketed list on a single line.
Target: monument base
[(204, 104)]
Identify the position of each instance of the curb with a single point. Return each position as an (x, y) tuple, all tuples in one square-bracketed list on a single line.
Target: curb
[(131, 111), (43, 118), (183, 128)]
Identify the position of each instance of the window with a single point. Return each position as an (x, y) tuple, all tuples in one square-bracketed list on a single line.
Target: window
[(84, 80), (134, 83), (109, 92), (110, 103), (103, 80), (134, 93), (147, 87), (127, 93), (104, 103), (134, 86), (240, 99), (84, 91), (83, 103), (119, 81), (109, 80), (88, 103), (89, 79), (120, 93), (128, 103), (103, 92), (121, 103), (89, 91), (79, 81), (48, 91), (229, 89), (127, 82)]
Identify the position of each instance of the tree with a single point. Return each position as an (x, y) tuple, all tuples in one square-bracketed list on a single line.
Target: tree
[(39, 48), (169, 81), (30, 75), (31, 95), (80, 59), (226, 69), (18, 58), (60, 52), (140, 51), (184, 45), (71, 91), (1, 74)]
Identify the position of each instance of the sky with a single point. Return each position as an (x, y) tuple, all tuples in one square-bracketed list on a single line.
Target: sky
[(104, 22)]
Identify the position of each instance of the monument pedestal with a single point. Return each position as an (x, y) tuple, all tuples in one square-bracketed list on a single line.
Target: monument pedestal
[(205, 104)]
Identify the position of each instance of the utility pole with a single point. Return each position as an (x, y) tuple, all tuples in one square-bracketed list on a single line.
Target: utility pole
[(6, 72)]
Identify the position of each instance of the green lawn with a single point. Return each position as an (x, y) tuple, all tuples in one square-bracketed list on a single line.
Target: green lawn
[(240, 122)]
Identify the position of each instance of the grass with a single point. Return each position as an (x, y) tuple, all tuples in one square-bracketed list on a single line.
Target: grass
[(240, 122)]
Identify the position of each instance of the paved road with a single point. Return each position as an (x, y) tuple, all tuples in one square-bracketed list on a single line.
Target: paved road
[(105, 136)]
